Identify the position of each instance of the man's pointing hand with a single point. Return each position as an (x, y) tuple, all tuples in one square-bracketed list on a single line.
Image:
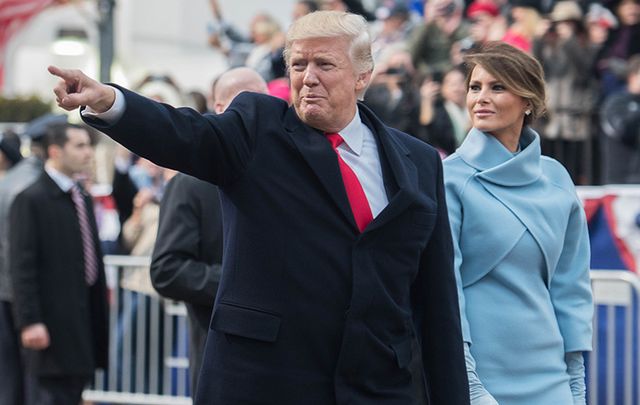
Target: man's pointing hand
[(77, 89)]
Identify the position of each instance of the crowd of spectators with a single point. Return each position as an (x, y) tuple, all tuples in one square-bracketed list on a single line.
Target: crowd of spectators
[(584, 48)]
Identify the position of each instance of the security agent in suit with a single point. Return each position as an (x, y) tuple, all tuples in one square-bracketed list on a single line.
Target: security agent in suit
[(310, 309), (62, 317), (187, 258), (23, 174)]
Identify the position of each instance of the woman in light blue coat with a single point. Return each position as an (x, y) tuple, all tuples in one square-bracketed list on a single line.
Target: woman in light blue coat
[(521, 243)]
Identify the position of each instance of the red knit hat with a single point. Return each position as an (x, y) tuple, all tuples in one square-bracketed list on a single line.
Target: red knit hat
[(484, 6)]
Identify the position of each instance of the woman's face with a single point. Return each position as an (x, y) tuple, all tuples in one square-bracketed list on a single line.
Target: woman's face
[(493, 108)]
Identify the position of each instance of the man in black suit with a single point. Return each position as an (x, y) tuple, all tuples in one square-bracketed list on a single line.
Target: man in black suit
[(337, 284), (187, 257), (57, 275), (17, 179)]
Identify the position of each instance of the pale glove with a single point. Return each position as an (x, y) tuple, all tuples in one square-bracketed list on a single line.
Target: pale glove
[(479, 395), (575, 369)]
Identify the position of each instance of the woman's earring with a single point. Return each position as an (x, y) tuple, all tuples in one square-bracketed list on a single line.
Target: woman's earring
[(528, 112)]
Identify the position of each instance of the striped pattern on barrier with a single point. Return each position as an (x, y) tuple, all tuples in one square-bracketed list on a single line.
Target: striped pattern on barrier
[(613, 377), (148, 344)]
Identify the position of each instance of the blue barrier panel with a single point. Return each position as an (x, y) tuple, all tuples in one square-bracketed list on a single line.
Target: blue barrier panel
[(612, 367)]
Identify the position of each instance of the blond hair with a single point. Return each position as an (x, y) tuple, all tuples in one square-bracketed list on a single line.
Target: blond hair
[(334, 24)]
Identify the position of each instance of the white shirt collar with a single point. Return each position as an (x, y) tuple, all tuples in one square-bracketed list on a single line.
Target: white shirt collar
[(62, 180), (352, 134)]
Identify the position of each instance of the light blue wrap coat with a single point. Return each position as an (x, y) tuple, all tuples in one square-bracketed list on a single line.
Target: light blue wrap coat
[(522, 266)]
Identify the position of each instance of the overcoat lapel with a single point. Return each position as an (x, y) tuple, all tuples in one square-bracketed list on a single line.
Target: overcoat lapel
[(51, 187), (62, 198), (322, 160), (402, 168)]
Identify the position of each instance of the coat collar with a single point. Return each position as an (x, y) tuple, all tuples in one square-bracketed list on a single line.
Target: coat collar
[(498, 165), (322, 159), (402, 168), (51, 187), (499, 171), (63, 181)]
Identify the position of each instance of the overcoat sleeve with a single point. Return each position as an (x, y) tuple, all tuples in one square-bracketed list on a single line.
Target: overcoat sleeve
[(570, 286), (214, 148), (435, 296)]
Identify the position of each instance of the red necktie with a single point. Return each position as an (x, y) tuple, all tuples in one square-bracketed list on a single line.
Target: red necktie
[(88, 247), (357, 198)]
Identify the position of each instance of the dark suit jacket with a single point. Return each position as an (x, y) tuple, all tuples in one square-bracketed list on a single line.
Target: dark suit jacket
[(309, 310), (187, 257), (47, 271), (123, 193)]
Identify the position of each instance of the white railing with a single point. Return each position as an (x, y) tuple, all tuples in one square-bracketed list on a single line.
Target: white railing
[(148, 344), (148, 360), (625, 190)]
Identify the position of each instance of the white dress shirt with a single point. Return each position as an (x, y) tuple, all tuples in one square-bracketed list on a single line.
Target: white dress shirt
[(360, 151)]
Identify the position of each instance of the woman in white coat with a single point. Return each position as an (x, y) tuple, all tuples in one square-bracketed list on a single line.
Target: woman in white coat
[(521, 243)]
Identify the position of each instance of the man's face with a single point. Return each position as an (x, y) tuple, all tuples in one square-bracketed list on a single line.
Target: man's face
[(76, 155), (324, 82), (629, 12), (480, 26)]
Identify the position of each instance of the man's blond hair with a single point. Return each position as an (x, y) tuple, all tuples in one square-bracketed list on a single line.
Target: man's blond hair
[(334, 24)]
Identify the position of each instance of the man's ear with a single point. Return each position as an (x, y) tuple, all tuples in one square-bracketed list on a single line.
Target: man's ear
[(54, 151), (363, 80)]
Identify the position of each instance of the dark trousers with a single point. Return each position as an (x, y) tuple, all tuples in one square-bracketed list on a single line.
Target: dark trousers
[(197, 339), (11, 371), (63, 390)]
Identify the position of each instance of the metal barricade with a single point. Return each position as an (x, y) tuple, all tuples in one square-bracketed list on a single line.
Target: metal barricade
[(148, 344), (613, 377), (148, 347)]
